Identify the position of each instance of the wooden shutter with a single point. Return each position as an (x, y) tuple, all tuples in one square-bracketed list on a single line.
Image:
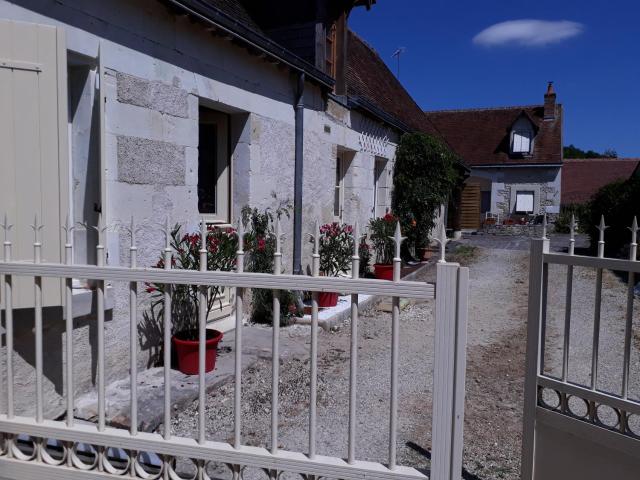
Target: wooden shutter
[(470, 207), (34, 156)]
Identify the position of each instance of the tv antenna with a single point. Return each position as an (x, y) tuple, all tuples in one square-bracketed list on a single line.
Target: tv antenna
[(397, 54)]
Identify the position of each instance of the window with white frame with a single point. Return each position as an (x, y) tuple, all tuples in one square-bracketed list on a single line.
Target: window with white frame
[(522, 141), (338, 198), (524, 201), (213, 166), (380, 189), (522, 136)]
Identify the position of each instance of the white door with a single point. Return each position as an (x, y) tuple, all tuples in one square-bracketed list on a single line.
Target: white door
[(33, 135)]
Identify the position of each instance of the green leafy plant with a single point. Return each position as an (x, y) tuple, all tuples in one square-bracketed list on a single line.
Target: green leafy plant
[(221, 245), (336, 248), (619, 202), (426, 174), (381, 235), (260, 247), (365, 257)]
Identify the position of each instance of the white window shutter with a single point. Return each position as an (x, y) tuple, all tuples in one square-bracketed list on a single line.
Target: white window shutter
[(33, 135)]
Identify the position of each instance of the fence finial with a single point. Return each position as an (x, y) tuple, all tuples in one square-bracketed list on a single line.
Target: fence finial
[(544, 225), (240, 233), (356, 239), (572, 227), (36, 228), (602, 227), (278, 236), (316, 238), (442, 241), (398, 239), (68, 229), (633, 248), (6, 226)]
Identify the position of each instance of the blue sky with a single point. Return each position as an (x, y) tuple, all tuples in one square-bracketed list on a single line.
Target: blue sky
[(591, 51)]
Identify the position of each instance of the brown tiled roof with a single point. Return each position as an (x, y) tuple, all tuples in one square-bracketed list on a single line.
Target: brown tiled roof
[(582, 177), (482, 136), (369, 78), (236, 10)]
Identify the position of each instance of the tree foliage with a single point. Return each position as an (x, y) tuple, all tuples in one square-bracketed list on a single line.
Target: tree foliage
[(426, 173), (574, 152), (618, 202)]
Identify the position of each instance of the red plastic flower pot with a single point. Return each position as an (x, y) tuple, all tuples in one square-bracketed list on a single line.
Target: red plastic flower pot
[(383, 271), (187, 352), (327, 299)]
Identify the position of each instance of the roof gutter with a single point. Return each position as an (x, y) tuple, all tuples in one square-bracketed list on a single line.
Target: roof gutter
[(213, 16), (518, 165)]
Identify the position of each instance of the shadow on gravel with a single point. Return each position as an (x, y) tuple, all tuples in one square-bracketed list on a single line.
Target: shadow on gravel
[(427, 454)]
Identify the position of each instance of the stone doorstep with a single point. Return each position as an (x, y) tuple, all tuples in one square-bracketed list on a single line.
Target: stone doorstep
[(184, 388), (329, 318)]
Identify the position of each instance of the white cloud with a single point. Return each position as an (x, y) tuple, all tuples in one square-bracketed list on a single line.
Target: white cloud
[(530, 33)]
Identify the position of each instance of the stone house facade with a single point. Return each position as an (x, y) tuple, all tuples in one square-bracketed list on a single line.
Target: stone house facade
[(181, 109), (515, 159)]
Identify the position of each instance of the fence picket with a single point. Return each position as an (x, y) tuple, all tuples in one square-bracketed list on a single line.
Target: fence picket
[(353, 349)]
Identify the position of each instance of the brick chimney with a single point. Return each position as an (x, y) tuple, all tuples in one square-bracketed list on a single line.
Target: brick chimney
[(550, 103)]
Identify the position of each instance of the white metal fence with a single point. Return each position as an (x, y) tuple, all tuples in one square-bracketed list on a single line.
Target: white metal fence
[(41, 448), (574, 429)]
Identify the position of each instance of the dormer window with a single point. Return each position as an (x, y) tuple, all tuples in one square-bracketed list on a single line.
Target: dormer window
[(522, 137), (521, 142)]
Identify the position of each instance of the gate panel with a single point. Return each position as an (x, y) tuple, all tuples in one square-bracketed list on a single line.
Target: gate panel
[(566, 432)]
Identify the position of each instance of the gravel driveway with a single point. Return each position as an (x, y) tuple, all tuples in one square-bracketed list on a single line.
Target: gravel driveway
[(496, 350)]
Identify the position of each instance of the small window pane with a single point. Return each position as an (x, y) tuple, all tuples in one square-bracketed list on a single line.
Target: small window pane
[(522, 141), (207, 167)]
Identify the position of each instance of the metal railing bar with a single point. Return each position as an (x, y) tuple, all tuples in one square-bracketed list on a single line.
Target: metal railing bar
[(596, 330), (166, 344), (588, 262), (586, 393), (101, 360), (405, 289), (8, 284), (37, 246), (543, 315), (237, 394), (210, 451), (395, 347), (353, 351), (313, 349), (202, 337), (275, 344), (69, 329), (567, 324)]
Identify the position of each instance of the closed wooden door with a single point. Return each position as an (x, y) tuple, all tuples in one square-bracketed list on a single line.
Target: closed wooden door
[(470, 207)]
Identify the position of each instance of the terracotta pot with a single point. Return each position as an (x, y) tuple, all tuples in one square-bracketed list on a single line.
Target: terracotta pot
[(425, 253), (383, 271), (327, 299), (187, 352)]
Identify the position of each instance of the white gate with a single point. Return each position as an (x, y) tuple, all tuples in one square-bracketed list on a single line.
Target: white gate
[(572, 428), (37, 447)]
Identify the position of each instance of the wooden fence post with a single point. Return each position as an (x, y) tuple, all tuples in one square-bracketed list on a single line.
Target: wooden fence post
[(539, 246), (449, 371)]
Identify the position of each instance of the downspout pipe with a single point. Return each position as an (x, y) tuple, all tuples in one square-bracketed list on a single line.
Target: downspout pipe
[(299, 164)]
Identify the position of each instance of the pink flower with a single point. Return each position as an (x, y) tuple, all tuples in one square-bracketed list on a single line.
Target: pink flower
[(261, 244)]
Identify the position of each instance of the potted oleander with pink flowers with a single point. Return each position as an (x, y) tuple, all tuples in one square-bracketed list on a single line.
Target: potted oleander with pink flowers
[(336, 249)]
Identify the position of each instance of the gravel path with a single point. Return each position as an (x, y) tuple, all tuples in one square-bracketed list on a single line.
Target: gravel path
[(496, 351)]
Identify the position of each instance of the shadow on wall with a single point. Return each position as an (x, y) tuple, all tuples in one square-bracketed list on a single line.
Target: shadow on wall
[(54, 340)]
